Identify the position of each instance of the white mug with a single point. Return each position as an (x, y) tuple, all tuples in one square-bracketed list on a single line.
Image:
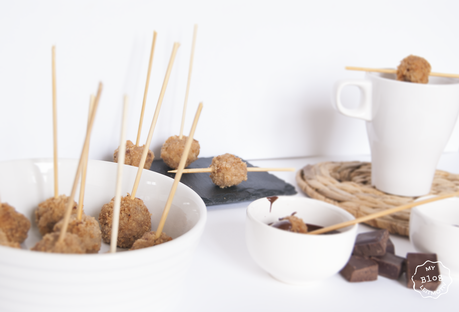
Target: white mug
[(408, 127)]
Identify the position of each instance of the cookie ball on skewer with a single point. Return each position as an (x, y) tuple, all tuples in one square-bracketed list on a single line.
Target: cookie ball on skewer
[(228, 170), (292, 224), (172, 151), (87, 229), (414, 69), (134, 221), (52, 211), (149, 240), (134, 155), (71, 244), (5, 242), (13, 224)]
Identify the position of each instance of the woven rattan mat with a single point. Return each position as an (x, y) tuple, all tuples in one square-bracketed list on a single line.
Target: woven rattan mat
[(348, 185)]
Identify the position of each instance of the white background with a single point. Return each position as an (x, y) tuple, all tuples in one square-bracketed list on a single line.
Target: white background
[(263, 69)]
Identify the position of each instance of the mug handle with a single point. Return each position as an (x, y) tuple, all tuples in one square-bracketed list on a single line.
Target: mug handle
[(364, 110)]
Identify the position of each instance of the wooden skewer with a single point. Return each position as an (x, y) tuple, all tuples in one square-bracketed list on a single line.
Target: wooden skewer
[(80, 163), (381, 213), (189, 80), (119, 178), (393, 71), (153, 122), (147, 83), (55, 160), (179, 173), (249, 169), (85, 168)]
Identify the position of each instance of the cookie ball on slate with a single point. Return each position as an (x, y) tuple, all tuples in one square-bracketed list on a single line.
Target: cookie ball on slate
[(228, 170), (134, 155), (172, 150)]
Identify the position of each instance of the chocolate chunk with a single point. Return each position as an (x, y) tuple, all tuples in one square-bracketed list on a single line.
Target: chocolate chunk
[(372, 243), (389, 265), (360, 269), (420, 273), (390, 248)]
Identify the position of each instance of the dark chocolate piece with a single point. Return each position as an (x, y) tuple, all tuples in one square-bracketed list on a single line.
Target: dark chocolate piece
[(371, 243), (258, 184), (360, 269), (390, 248), (427, 274), (389, 265)]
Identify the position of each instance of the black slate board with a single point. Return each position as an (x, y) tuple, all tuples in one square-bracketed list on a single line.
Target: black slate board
[(258, 184)]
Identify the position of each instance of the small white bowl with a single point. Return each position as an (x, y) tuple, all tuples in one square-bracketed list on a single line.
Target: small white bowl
[(298, 258), (434, 228), (139, 280)]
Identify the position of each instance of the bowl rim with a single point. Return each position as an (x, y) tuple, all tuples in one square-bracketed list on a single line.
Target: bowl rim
[(348, 229), (452, 82), (82, 258), (421, 209)]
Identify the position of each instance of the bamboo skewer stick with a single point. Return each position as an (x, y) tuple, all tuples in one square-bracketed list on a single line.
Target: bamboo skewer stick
[(55, 158), (155, 118), (381, 213), (189, 80), (393, 71), (249, 169), (119, 178), (179, 173), (147, 83), (80, 163), (85, 168)]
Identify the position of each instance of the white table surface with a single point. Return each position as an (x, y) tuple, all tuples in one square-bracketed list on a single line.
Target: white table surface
[(223, 276)]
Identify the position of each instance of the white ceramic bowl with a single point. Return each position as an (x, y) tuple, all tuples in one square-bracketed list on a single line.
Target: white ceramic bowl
[(145, 279), (434, 228), (298, 258)]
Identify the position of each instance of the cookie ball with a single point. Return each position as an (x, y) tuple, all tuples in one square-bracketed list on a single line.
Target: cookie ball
[(135, 220), (87, 229), (13, 224), (172, 150), (149, 240), (414, 69), (52, 211), (134, 155), (291, 224), (5, 242), (228, 170), (70, 245)]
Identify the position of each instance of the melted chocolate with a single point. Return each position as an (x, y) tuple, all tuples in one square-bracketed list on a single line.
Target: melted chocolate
[(271, 200), (286, 226)]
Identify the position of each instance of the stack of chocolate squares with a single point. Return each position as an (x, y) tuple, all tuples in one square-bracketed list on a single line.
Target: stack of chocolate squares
[(374, 254)]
